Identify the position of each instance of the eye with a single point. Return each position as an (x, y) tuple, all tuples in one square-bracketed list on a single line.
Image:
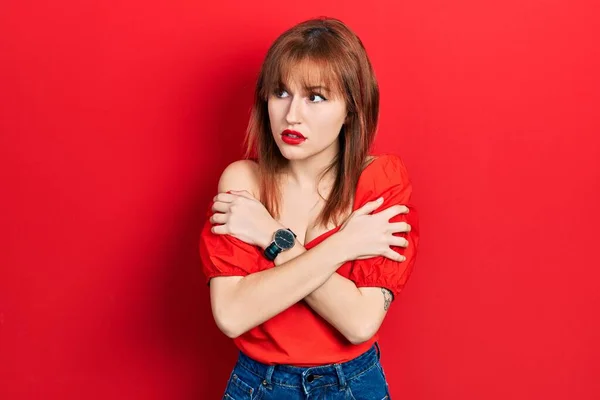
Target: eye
[(313, 96), (280, 93)]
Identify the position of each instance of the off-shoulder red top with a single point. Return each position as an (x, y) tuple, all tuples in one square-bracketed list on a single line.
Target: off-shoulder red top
[(298, 335)]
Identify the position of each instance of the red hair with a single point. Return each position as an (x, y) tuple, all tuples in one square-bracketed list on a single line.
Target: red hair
[(328, 46)]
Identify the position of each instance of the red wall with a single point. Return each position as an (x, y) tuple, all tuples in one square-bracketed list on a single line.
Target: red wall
[(116, 120)]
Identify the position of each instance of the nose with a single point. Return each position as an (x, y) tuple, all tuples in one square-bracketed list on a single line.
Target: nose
[(294, 111)]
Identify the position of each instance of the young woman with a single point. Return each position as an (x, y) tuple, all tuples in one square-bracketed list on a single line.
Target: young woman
[(310, 238)]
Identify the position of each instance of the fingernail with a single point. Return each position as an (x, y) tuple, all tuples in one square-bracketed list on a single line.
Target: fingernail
[(379, 200)]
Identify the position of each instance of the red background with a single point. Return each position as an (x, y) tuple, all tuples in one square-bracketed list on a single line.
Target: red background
[(116, 119)]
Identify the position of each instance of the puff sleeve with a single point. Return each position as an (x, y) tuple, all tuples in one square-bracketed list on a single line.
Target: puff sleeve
[(225, 255), (390, 180)]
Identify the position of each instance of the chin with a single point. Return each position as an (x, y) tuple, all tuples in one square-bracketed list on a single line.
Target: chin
[(294, 153)]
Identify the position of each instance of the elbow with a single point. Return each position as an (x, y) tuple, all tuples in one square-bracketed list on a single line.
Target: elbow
[(362, 333), (227, 323), (229, 330), (358, 339)]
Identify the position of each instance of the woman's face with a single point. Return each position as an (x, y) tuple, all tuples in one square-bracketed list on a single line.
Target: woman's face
[(316, 115)]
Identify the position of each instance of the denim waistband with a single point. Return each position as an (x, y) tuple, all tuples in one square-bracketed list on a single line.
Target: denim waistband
[(321, 375)]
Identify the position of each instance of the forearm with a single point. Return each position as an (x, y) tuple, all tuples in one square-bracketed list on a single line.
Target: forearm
[(342, 304), (260, 296)]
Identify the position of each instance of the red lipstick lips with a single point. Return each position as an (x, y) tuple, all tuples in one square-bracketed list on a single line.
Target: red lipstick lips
[(292, 137)]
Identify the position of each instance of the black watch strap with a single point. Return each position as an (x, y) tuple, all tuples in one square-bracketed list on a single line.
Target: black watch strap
[(272, 251)]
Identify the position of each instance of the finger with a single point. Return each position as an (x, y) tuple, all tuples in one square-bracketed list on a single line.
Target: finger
[(394, 210), (243, 193), (394, 256), (219, 230), (401, 227), (225, 197), (218, 218), (369, 207), (220, 206), (398, 241)]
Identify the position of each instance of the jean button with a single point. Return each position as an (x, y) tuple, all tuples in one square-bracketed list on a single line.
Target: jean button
[(310, 378)]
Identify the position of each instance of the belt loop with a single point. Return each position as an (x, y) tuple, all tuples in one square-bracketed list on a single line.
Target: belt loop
[(269, 374), (378, 350), (341, 377)]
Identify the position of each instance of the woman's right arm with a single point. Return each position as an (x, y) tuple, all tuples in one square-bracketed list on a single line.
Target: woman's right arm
[(242, 303)]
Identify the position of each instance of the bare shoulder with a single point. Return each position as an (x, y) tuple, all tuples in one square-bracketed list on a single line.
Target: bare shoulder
[(385, 161), (369, 160), (240, 175)]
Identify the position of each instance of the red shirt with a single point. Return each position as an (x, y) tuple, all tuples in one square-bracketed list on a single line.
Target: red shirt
[(298, 335)]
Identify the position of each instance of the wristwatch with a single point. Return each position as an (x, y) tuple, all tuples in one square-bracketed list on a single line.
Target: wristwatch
[(283, 239)]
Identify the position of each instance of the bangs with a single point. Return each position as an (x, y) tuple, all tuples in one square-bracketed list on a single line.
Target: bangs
[(319, 56), (309, 73)]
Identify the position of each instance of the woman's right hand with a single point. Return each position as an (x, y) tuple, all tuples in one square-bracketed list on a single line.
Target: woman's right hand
[(367, 235)]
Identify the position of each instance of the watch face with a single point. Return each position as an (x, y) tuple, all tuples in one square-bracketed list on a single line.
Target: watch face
[(284, 239)]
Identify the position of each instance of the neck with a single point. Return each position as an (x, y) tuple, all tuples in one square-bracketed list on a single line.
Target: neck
[(306, 173)]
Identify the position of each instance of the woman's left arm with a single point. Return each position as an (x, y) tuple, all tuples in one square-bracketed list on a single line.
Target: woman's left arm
[(356, 306), (357, 313)]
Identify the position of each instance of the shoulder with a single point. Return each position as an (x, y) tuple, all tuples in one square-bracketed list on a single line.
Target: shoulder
[(385, 176), (240, 175), (386, 169)]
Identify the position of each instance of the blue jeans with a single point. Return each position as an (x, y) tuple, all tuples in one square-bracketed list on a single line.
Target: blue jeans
[(361, 378)]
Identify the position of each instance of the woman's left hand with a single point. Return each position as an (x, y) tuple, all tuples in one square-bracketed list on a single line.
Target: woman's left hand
[(241, 215)]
